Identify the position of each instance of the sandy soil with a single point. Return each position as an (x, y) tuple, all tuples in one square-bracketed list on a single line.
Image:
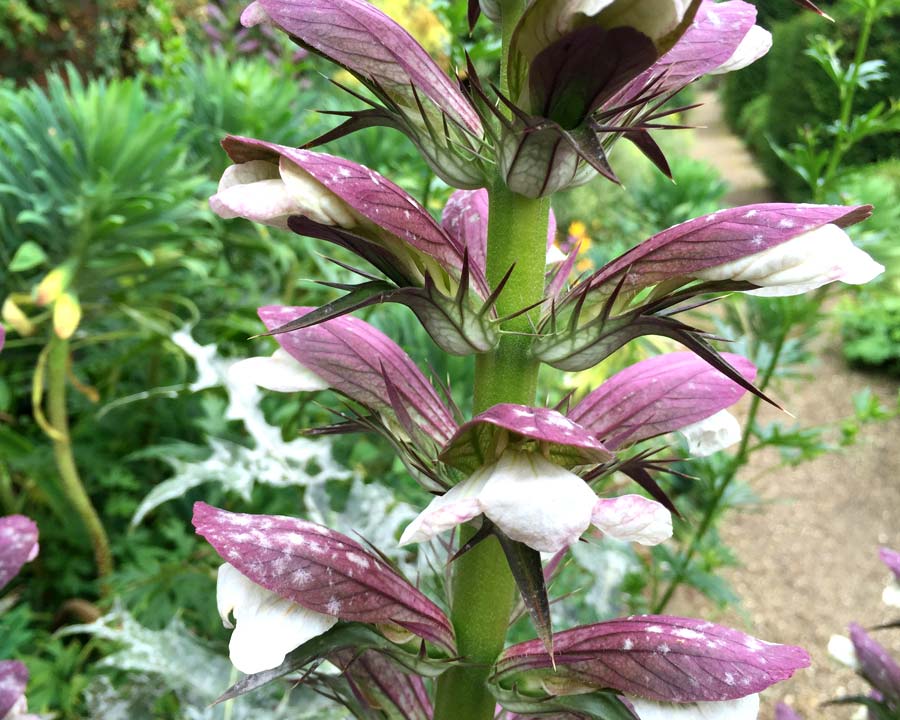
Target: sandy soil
[(809, 554)]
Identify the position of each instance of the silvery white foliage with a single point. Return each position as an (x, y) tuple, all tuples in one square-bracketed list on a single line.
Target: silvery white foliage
[(271, 460), (161, 660), (607, 562)]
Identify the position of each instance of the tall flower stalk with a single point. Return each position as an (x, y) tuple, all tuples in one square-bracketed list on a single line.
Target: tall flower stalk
[(516, 479)]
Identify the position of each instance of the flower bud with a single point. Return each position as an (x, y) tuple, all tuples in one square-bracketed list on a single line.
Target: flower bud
[(53, 285), (14, 317), (66, 315)]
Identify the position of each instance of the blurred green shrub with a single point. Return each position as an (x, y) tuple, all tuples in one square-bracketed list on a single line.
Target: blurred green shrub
[(763, 101), (871, 333)]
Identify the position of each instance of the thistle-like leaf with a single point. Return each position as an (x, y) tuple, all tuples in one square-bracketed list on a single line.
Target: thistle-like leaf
[(651, 656), (321, 570), (18, 545)]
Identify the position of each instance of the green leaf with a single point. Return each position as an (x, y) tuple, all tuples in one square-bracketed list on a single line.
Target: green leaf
[(28, 256), (351, 636), (596, 705)]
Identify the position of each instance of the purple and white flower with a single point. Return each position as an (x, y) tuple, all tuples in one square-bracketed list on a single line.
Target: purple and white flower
[(287, 580), (540, 504)]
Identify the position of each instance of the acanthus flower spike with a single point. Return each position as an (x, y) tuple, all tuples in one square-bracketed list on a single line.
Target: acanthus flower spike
[(279, 562), (344, 203), (417, 96)]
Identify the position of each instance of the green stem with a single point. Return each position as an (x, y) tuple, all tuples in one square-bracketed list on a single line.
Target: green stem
[(483, 587), (841, 145), (58, 414), (739, 459)]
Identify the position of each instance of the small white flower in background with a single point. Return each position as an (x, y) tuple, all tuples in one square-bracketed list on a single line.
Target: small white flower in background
[(841, 649), (266, 626), (712, 434), (890, 596), (745, 708), (803, 263), (540, 504)]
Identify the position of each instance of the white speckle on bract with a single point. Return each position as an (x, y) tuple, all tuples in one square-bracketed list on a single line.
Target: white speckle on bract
[(359, 560), (751, 213), (729, 679), (786, 223), (687, 634), (758, 239), (628, 644), (333, 606), (560, 422), (656, 629), (664, 649)]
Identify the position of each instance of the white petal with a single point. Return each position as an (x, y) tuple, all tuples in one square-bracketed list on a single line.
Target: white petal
[(803, 263), (246, 173), (458, 505), (263, 201), (268, 626), (654, 18), (890, 596), (712, 434), (555, 255), (280, 372), (312, 198), (755, 44), (841, 649), (633, 518), (745, 708), (537, 502)]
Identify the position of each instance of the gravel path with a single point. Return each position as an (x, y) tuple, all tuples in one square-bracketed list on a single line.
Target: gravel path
[(809, 553)]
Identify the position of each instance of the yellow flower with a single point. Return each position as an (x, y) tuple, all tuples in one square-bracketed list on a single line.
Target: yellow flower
[(66, 315), (578, 229), (421, 22)]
